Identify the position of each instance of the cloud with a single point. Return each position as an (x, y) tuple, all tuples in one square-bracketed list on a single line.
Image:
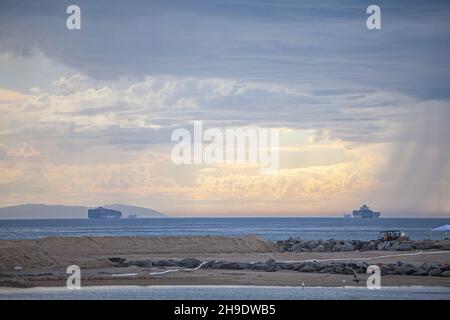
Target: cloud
[(9, 174), (367, 111), (23, 151), (99, 123), (145, 112), (322, 46), (9, 96)]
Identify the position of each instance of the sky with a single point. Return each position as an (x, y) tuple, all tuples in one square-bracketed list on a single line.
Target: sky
[(87, 115)]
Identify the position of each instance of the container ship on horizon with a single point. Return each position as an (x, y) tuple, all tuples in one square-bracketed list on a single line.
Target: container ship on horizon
[(363, 212), (104, 213)]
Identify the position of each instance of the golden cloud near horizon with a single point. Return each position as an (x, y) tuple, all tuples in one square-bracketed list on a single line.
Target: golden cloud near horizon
[(318, 172)]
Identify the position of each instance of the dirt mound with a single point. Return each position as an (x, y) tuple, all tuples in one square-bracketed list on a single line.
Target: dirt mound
[(23, 253), (139, 245), (57, 250)]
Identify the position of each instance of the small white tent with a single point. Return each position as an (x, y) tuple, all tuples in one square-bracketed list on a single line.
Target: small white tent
[(445, 228)]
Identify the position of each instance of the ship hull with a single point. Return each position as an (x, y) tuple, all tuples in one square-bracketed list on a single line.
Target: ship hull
[(103, 213)]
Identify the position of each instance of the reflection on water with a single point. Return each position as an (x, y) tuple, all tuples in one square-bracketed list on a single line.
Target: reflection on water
[(226, 293)]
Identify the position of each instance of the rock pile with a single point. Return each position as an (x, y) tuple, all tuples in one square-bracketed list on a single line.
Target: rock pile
[(399, 268), (331, 245)]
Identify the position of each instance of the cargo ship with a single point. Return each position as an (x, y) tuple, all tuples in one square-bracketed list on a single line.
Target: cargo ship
[(104, 213), (364, 212)]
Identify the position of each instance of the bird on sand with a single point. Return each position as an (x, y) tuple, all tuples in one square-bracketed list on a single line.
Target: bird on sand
[(355, 277)]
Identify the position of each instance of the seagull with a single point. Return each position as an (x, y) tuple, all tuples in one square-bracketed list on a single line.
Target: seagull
[(355, 277)]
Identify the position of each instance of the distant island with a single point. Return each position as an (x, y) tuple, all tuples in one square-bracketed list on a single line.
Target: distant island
[(43, 211)]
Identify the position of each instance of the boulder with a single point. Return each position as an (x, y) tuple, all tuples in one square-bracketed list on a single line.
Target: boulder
[(327, 269), (358, 244), (387, 269), (312, 244), (308, 268), (393, 247), (329, 246), (427, 245), (348, 270), (427, 266), (260, 266), (348, 246), (236, 265), (337, 248), (245, 265), (371, 246), (360, 267), (405, 269), (298, 246), (166, 263), (285, 266), (421, 272), (405, 246), (190, 263), (445, 274), (297, 266), (364, 246), (271, 265), (382, 245), (445, 267), (141, 263), (209, 264), (329, 243), (435, 273), (119, 262), (339, 269), (319, 248), (216, 264)]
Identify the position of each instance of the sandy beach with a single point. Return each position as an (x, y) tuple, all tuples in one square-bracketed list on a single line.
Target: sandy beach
[(157, 261)]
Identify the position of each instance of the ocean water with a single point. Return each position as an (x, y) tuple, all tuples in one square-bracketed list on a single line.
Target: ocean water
[(270, 228), (226, 293)]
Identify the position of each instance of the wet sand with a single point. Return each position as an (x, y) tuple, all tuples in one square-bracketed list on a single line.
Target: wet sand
[(234, 277)]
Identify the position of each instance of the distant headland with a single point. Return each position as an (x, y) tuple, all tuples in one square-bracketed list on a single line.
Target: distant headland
[(44, 211)]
